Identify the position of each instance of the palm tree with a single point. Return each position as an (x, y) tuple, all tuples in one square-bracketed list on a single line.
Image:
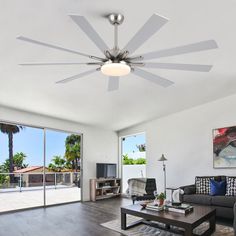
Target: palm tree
[(18, 162), (10, 130), (72, 153), (58, 164)]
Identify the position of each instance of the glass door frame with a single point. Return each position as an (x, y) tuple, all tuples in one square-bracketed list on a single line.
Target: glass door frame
[(44, 129), (44, 165)]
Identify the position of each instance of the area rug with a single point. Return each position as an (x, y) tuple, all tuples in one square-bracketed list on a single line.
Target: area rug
[(148, 230)]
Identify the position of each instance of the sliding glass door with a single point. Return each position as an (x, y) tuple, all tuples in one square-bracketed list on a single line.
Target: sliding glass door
[(62, 167), (21, 167), (38, 167)]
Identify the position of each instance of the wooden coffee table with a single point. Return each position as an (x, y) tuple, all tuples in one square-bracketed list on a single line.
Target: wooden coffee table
[(188, 222)]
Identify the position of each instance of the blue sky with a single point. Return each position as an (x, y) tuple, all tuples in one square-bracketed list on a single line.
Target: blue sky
[(30, 142), (129, 145)]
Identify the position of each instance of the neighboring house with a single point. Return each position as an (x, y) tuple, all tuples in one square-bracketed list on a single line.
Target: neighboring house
[(33, 176), (31, 169)]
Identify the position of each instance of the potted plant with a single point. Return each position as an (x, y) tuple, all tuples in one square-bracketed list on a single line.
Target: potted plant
[(161, 197)]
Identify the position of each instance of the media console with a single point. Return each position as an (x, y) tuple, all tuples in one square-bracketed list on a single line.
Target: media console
[(104, 188)]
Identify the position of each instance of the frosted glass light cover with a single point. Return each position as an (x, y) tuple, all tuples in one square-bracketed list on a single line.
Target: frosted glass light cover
[(115, 69)]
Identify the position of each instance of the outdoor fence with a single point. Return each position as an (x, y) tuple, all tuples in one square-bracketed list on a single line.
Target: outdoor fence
[(34, 181)]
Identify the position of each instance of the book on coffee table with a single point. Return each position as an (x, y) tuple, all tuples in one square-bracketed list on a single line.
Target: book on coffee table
[(154, 207), (183, 208)]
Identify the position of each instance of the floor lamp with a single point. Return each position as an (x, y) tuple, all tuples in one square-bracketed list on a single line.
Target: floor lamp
[(163, 159)]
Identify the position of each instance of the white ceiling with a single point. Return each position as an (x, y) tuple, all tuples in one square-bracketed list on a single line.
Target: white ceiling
[(86, 100)]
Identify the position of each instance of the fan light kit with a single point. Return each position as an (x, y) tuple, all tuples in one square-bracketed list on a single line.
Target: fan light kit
[(118, 62), (115, 68)]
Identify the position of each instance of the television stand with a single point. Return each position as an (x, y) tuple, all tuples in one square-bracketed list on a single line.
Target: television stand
[(104, 188)]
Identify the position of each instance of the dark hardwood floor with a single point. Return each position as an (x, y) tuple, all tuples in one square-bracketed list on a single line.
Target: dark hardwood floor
[(77, 219)]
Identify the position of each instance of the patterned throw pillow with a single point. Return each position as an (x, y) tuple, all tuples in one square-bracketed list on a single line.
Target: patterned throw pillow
[(203, 185), (230, 186)]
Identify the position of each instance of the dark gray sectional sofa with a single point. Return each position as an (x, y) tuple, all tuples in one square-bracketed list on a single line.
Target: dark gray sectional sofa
[(234, 219), (224, 204)]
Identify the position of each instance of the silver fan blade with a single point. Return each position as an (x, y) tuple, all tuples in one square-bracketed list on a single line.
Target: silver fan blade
[(76, 76), (61, 64), (194, 47), (137, 64), (175, 66), (51, 46), (138, 58), (153, 78), (113, 83), (82, 22), (154, 23)]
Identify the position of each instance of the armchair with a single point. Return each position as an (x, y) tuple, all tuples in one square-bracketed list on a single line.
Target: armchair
[(141, 189)]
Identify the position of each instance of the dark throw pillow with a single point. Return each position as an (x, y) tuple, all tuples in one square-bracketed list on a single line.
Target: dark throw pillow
[(217, 188)]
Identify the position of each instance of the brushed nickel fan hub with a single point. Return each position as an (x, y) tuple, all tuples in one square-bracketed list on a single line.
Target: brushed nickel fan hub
[(116, 18)]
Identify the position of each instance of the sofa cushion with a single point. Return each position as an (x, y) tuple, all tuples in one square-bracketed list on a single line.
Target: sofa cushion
[(217, 188), (224, 201), (198, 199)]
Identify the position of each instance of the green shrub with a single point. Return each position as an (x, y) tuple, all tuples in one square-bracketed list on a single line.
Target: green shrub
[(127, 160), (140, 161), (4, 179), (131, 161)]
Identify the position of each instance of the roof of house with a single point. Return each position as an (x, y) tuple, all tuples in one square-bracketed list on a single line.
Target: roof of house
[(28, 169)]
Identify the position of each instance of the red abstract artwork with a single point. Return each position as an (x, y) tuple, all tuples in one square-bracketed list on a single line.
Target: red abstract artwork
[(224, 147)]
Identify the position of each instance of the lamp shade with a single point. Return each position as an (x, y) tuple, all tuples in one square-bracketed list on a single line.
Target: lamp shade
[(162, 158)]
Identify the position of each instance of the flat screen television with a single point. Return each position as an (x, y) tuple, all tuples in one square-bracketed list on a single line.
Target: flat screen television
[(106, 170)]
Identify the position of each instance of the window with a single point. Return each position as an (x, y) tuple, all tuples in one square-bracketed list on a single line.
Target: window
[(133, 158)]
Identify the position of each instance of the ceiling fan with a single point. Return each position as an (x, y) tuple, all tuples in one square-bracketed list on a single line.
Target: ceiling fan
[(118, 62)]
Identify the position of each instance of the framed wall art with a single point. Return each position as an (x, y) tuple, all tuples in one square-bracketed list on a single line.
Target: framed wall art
[(224, 147)]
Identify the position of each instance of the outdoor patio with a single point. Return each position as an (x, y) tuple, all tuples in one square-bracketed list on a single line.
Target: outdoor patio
[(33, 198)]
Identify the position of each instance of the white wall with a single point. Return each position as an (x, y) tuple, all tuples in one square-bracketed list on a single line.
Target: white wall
[(99, 145), (186, 140)]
